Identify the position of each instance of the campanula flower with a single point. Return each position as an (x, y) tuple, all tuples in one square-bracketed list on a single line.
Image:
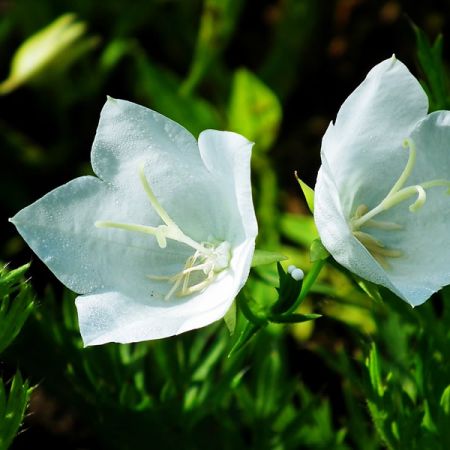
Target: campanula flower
[(161, 240), (382, 207)]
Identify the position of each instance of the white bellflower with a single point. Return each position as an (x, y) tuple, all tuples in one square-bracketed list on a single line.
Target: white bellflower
[(381, 199), (162, 241)]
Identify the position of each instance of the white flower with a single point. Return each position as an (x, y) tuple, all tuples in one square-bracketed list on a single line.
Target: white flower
[(381, 203), (162, 241)]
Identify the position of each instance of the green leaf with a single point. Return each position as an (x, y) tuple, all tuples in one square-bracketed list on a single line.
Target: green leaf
[(293, 318), (371, 289), (9, 278), (230, 318), (288, 59), (374, 370), (427, 420), (244, 338), (445, 401), (262, 257), (217, 24), (288, 292), (300, 229), (432, 65), (12, 409), (242, 301), (159, 87), (307, 192), (254, 110), (16, 304), (317, 251)]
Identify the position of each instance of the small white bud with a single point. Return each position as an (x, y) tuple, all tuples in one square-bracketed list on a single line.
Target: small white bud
[(297, 274), (291, 268)]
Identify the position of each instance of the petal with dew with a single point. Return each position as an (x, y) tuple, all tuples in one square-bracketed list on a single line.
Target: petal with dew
[(60, 229)]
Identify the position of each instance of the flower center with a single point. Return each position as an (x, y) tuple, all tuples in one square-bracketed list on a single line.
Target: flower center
[(210, 257), (364, 218)]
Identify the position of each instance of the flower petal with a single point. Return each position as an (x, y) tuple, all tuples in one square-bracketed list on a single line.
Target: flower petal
[(336, 236), (425, 240), (128, 134), (114, 317), (60, 229), (227, 157), (365, 141)]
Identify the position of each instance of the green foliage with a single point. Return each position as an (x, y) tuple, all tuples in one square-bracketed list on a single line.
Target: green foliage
[(291, 294), (307, 192), (262, 257), (217, 24), (51, 49), (160, 88), (433, 67), (318, 251), (254, 111), (13, 405), (407, 389), (16, 304), (189, 381), (299, 229)]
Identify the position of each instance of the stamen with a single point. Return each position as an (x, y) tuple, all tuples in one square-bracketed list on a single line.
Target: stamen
[(173, 289), (360, 211), (197, 287), (391, 253), (381, 261), (128, 227), (367, 240), (381, 225), (209, 258)]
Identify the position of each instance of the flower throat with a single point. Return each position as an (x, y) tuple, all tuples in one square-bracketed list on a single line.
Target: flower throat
[(200, 269), (364, 218)]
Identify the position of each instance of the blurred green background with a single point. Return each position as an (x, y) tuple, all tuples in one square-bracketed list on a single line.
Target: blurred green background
[(368, 374)]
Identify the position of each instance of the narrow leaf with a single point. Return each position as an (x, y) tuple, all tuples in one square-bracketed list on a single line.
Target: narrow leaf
[(262, 257), (230, 318), (307, 192), (254, 110), (293, 318)]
